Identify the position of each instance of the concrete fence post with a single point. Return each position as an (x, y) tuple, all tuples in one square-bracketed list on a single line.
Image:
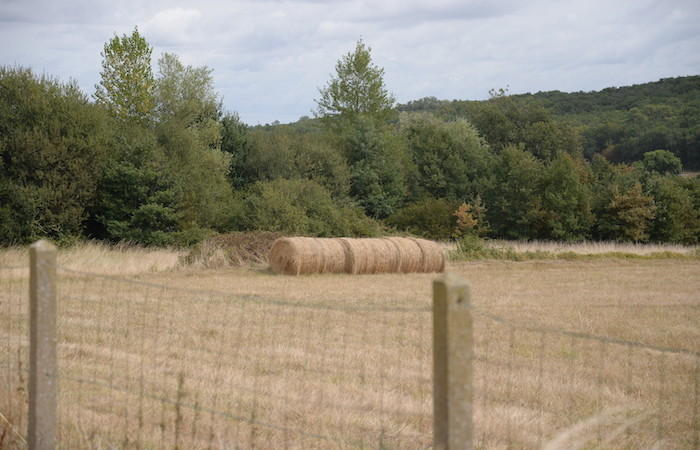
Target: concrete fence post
[(452, 364), (43, 370)]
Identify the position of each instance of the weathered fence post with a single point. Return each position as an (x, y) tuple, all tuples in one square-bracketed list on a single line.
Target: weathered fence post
[(452, 364), (43, 371)]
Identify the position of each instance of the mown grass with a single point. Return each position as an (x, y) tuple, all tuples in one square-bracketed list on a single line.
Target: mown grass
[(180, 356)]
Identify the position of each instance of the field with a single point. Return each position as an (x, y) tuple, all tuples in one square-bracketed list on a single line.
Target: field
[(599, 352)]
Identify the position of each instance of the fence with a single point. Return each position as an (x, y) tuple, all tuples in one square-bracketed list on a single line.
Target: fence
[(147, 365)]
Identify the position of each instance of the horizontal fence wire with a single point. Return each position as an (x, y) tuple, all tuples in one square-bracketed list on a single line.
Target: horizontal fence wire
[(14, 355), (147, 365), (545, 387)]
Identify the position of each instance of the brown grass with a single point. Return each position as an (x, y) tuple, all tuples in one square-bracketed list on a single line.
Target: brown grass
[(342, 361)]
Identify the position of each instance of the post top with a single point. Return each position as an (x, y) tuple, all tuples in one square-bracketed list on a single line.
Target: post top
[(43, 245)]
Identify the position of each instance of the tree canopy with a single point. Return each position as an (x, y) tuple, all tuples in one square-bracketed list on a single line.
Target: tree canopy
[(356, 89), (127, 83)]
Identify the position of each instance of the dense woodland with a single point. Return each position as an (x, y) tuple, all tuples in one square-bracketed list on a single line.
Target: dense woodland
[(152, 158)]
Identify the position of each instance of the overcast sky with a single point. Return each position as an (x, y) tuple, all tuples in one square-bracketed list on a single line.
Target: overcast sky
[(269, 58)]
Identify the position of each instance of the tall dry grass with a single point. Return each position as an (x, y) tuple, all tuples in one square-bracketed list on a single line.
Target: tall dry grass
[(100, 258), (345, 361), (595, 247)]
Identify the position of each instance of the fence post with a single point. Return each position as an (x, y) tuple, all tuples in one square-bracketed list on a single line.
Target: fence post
[(43, 371), (452, 364)]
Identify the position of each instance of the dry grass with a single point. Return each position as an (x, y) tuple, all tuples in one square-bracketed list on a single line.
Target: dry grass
[(98, 258), (344, 361), (594, 248)]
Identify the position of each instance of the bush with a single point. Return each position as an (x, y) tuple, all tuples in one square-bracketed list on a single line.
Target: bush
[(300, 207), (430, 218)]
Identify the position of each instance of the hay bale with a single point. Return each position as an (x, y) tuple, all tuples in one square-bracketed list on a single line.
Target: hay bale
[(359, 255), (301, 255), (410, 255), (433, 258)]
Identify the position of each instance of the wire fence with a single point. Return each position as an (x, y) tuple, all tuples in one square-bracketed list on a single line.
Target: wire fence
[(148, 365), (145, 365), (541, 387)]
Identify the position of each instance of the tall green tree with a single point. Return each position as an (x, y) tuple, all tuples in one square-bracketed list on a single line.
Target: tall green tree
[(357, 89), (127, 83), (377, 176), (190, 132), (52, 153), (513, 200), (452, 161)]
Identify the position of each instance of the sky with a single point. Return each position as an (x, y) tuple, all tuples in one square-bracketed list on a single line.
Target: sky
[(269, 58)]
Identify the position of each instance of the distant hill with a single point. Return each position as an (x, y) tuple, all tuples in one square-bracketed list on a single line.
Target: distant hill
[(620, 122)]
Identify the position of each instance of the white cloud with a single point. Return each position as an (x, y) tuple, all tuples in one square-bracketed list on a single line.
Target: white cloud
[(269, 57), (174, 26)]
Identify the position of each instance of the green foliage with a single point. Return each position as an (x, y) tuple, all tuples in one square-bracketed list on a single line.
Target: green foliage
[(625, 122), (300, 207), (628, 215), (184, 94), (126, 87), (376, 169), (356, 90), (52, 151), (506, 120), (279, 153), (430, 218), (137, 199), (190, 133), (677, 215), (235, 142), (451, 159), (513, 200), (662, 162), (566, 211)]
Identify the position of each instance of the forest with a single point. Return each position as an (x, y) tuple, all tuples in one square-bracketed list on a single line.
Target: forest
[(154, 159)]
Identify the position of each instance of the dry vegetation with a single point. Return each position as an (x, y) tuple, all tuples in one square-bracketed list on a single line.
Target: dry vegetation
[(345, 361)]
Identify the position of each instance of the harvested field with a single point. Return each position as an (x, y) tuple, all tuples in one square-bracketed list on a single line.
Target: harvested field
[(226, 357)]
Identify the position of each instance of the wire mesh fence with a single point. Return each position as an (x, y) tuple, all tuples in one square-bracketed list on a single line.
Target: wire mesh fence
[(148, 365), (14, 356), (145, 365), (544, 387)]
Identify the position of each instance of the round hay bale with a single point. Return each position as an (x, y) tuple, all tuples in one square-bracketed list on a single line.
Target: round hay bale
[(410, 255), (301, 255), (359, 258), (386, 256), (331, 253), (433, 258)]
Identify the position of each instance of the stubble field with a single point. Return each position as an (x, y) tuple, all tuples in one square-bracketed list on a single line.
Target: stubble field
[(602, 353)]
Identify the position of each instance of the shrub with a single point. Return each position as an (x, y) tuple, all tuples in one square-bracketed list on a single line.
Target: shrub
[(430, 218), (300, 207)]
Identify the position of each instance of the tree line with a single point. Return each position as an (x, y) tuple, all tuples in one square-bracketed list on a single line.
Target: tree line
[(153, 158)]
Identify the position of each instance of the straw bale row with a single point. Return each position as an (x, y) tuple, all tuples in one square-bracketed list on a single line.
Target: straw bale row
[(302, 255)]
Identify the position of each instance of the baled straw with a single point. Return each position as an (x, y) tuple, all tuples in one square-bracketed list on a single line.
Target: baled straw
[(433, 258), (410, 255), (300, 255)]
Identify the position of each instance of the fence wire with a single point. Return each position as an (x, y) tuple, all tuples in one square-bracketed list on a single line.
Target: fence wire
[(538, 387), (147, 365)]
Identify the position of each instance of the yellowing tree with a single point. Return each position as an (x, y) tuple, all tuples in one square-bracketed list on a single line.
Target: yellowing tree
[(127, 84)]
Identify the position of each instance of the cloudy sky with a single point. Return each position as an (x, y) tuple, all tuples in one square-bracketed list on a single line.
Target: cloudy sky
[(270, 57)]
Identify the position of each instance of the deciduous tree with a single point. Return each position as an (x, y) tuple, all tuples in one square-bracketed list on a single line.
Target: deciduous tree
[(357, 89), (126, 87)]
